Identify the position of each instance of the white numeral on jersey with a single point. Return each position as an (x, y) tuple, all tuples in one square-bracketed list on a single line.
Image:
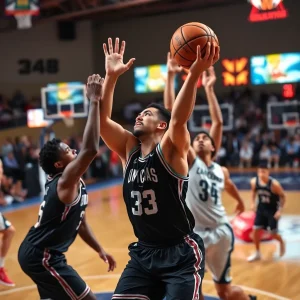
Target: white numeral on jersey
[(146, 195), (38, 223), (81, 217)]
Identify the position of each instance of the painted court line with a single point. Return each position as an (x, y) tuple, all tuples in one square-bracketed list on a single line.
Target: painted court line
[(95, 277)]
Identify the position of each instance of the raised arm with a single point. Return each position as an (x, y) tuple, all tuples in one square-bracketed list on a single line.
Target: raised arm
[(216, 129), (90, 143), (114, 135), (169, 96), (169, 92), (177, 137), (232, 190)]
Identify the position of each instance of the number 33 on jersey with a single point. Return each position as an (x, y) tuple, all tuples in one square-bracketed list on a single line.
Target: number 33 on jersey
[(155, 198)]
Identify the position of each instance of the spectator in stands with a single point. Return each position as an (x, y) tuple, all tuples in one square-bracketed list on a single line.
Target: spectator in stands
[(274, 155), (7, 146), (12, 169), (246, 154), (265, 154), (292, 150), (257, 144)]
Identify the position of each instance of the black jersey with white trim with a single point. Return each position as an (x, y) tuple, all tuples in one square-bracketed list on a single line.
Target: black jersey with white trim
[(58, 223), (266, 200), (155, 198)]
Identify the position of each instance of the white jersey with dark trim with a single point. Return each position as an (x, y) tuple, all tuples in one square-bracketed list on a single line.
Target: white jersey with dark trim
[(155, 198), (204, 195), (58, 223)]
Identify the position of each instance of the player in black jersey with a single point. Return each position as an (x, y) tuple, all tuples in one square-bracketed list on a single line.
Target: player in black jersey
[(268, 199), (168, 258), (62, 213)]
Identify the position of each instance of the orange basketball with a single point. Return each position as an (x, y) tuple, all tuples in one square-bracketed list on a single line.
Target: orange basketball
[(185, 40)]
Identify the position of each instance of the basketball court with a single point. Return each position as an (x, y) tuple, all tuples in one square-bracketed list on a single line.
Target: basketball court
[(271, 278)]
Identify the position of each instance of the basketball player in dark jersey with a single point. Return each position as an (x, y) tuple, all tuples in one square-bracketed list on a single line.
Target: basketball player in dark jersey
[(268, 199), (168, 257), (62, 213)]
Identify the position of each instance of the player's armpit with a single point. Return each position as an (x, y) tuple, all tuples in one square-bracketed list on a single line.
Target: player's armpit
[(175, 150), (117, 138)]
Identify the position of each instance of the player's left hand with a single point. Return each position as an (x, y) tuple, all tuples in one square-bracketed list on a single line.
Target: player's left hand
[(277, 215), (240, 208), (172, 65), (114, 64), (108, 259)]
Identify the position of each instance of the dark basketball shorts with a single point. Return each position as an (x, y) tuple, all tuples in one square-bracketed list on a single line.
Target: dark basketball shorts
[(54, 278), (266, 220), (172, 271), (4, 223)]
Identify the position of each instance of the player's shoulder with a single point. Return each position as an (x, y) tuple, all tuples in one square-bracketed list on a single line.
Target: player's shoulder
[(274, 182), (253, 180)]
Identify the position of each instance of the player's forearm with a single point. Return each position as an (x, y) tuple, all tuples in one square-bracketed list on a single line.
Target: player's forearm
[(282, 201), (91, 133), (169, 92), (88, 237), (185, 101), (234, 193), (216, 117), (107, 98), (214, 107)]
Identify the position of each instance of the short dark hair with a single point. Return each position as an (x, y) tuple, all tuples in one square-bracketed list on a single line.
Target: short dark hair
[(263, 164), (49, 155), (164, 114)]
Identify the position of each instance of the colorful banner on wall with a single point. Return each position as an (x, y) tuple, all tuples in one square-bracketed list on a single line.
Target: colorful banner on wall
[(265, 10)]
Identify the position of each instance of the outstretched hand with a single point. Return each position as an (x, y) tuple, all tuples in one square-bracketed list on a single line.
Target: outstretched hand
[(212, 55), (172, 65), (114, 64), (94, 87)]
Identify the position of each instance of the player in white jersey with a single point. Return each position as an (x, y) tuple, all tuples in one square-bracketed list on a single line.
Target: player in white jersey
[(206, 183)]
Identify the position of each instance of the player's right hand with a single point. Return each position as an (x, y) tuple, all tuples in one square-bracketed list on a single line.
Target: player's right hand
[(212, 55), (240, 208), (107, 258), (252, 207), (114, 58), (94, 87), (172, 65)]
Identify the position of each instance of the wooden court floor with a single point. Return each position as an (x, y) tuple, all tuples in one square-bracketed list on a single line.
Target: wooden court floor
[(270, 278)]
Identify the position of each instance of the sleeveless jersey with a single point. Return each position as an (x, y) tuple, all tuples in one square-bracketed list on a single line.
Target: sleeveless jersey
[(58, 223), (155, 199), (204, 195), (266, 200)]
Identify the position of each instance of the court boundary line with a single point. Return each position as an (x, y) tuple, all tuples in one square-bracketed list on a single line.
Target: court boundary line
[(95, 277)]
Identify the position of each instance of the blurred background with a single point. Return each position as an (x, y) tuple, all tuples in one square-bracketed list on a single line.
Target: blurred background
[(49, 48)]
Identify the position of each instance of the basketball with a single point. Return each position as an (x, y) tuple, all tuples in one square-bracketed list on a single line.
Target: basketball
[(184, 42)]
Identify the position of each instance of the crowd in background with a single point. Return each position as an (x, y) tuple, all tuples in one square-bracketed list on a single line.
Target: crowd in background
[(249, 142), (21, 172)]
